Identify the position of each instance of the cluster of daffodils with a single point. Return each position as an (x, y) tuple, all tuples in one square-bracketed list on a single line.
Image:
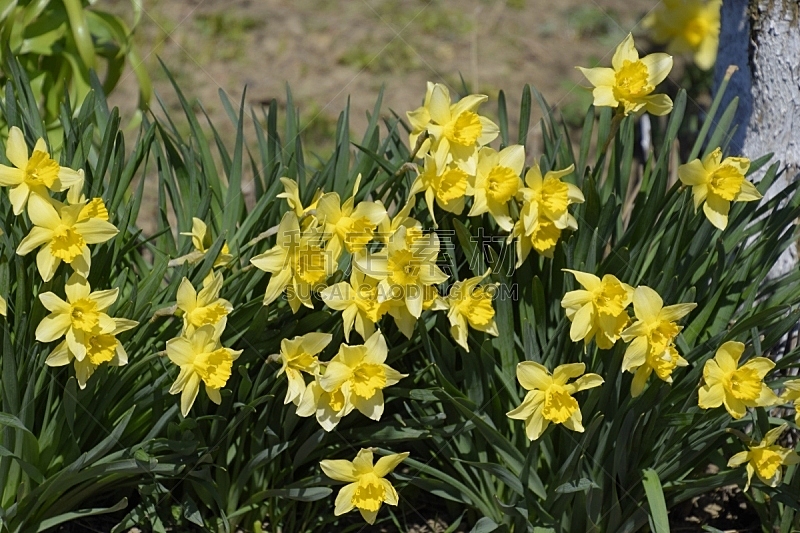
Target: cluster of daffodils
[(628, 88), (354, 378), (599, 312), (198, 351), (452, 139), (393, 266), (63, 231)]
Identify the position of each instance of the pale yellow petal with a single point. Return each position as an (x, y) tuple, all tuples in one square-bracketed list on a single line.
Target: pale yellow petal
[(647, 303), (658, 67), (716, 210), (693, 173), (339, 469), (16, 148), (96, 231), (626, 51), (533, 376)]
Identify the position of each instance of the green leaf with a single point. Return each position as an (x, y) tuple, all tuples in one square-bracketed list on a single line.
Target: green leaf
[(655, 498), (66, 517)]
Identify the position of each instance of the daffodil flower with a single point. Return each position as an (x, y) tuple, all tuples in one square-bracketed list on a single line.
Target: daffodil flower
[(717, 182), (299, 355), (792, 393), (497, 181), (737, 387), (3, 307), (651, 338), (327, 407), (542, 236), (630, 83), (291, 193), (201, 358), (34, 175), (395, 306), (358, 302), (443, 183), (455, 128), (297, 261), (361, 371), (63, 233), (766, 458), (549, 398), (389, 225), (544, 213), (367, 487), (83, 314), (204, 307), (550, 197), (202, 241), (687, 27), (470, 304), (98, 347), (405, 267), (599, 310), (348, 225)]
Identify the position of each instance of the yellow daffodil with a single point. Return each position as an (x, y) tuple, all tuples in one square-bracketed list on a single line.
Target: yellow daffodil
[(83, 314), (367, 487), (651, 338), (299, 355), (396, 307), (327, 407), (470, 304), (348, 225), (3, 307), (389, 226), (405, 267), (204, 307), (549, 398), (297, 261), (717, 182), (544, 211), (687, 26), (497, 181), (738, 387), (34, 175), (630, 83), (455, 128), (599, 310), (542, 236), (443, 183), (662, 363), (201, 358), (98, 347), (550, 197), (291, 192), (361, 372), (792, 394), (766, 458), (202, 241), (62, 232), (358, 302)]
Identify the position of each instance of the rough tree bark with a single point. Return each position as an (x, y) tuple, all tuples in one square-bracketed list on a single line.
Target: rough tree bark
[(762, 37)]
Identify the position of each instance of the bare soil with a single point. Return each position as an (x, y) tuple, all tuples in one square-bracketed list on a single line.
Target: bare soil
[(330, 52)]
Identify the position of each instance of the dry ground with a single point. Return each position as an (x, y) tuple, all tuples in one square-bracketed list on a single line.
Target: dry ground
[(329, 51)]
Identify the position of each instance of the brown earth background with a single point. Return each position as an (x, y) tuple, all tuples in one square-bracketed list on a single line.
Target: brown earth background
[(329, 51)]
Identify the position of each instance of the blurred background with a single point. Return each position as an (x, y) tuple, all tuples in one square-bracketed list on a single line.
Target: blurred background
[(332, 51)]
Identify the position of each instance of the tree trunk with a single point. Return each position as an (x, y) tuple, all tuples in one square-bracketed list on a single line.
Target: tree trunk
[(762, 38)]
